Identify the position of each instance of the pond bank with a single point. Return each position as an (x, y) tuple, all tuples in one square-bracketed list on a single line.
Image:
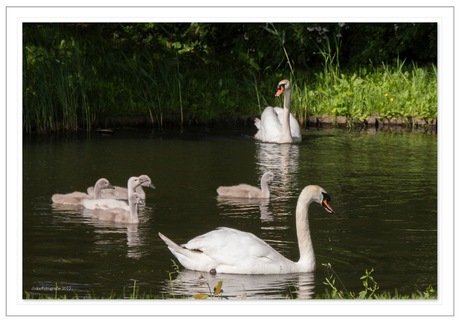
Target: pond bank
[(110, 123), (371, 123)]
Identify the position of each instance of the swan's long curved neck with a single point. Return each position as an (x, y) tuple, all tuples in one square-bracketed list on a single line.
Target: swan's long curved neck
[(97, 192), (264, 187), (133, 211), (307, 257), (139, 189), (286, 130)]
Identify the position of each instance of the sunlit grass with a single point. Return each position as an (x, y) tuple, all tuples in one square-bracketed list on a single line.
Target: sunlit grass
[(333, 291), (70, 85)]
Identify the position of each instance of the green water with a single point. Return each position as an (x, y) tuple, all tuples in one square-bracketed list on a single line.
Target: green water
[(383, 189)]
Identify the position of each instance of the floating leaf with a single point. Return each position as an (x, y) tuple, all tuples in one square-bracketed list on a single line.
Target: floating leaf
[(200, 296), (218, 288)]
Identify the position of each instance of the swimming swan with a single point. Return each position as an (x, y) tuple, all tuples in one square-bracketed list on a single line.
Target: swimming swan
[(122, 192), (121, 215), (76, 197), (227, 250), (278, 125), (247, 191), (133, 184)]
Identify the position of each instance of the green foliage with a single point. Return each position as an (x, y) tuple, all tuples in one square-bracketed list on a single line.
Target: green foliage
[(77, 74), (369, 291)]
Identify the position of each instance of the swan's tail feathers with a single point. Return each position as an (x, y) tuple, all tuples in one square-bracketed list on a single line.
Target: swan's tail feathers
[(189, 258), (257, 123), (171, 245), (221, 191)]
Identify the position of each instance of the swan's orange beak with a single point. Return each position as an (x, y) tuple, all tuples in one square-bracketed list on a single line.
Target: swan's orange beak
[(327, 207), (280, 91)]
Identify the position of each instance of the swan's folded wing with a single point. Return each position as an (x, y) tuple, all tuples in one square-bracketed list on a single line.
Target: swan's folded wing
[(228, 246), (270, 126)]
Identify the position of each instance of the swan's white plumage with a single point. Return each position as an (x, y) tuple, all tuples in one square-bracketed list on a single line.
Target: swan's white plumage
[(76, 197), (248, 191), (272, 126), (229, 250), (122, 192), (119, 214)]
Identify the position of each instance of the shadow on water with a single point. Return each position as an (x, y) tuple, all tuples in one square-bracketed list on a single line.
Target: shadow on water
[(383, 189)]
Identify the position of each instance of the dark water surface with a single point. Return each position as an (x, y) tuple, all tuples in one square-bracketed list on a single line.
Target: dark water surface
[(383, 189)]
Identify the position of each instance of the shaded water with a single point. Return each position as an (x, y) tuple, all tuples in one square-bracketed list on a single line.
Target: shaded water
[(383, 189)]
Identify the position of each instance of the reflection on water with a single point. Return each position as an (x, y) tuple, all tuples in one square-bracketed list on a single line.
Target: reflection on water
[(243, 206), (383, 189), (283, 161), (236, 286), (103, 227)]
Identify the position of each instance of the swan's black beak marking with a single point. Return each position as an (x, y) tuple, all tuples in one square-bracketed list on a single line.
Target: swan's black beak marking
[(110, 186), (325, 203)]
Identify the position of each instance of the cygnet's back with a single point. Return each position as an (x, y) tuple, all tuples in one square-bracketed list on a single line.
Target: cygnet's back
[(76, 197), (119, 214), (248, 191)]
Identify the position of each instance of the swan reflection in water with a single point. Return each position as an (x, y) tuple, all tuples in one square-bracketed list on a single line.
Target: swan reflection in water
[(283, 161), (241, 207), (104, 229), (237, 286)]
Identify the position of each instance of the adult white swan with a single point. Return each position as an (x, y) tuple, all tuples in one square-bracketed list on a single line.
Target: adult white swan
[(227, 250), (76, 197), (278, 125), (122, 192), (247, 191), (121, 215)]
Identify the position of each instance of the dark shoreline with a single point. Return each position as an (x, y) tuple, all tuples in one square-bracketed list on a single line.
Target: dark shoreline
[(113, 123)]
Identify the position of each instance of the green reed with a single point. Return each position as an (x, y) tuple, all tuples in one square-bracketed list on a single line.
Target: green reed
[(74, 83)]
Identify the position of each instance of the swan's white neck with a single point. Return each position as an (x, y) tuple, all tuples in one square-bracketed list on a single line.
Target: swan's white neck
[(307, 260), (134, 218), (264, 187), (286, 130), (97, 192)]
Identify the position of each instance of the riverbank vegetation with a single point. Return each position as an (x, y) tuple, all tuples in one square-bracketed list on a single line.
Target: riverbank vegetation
[(370, 291), (76, 76)]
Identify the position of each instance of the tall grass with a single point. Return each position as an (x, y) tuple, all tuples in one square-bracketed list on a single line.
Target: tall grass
[(73, 84), (387, 91)]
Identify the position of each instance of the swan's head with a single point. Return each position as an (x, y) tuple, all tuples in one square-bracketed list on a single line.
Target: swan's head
[(283, 86), (145, 181), (135, 199), (325, 202), (104, 184), (134, 182), (269, 176), (319, 195)]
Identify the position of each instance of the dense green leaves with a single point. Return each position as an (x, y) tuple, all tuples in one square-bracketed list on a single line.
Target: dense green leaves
[(75, 74)]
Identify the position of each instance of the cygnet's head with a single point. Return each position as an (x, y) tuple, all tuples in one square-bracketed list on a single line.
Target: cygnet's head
[(269, 176), (136, 199), (104, 184), (145, 181)]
